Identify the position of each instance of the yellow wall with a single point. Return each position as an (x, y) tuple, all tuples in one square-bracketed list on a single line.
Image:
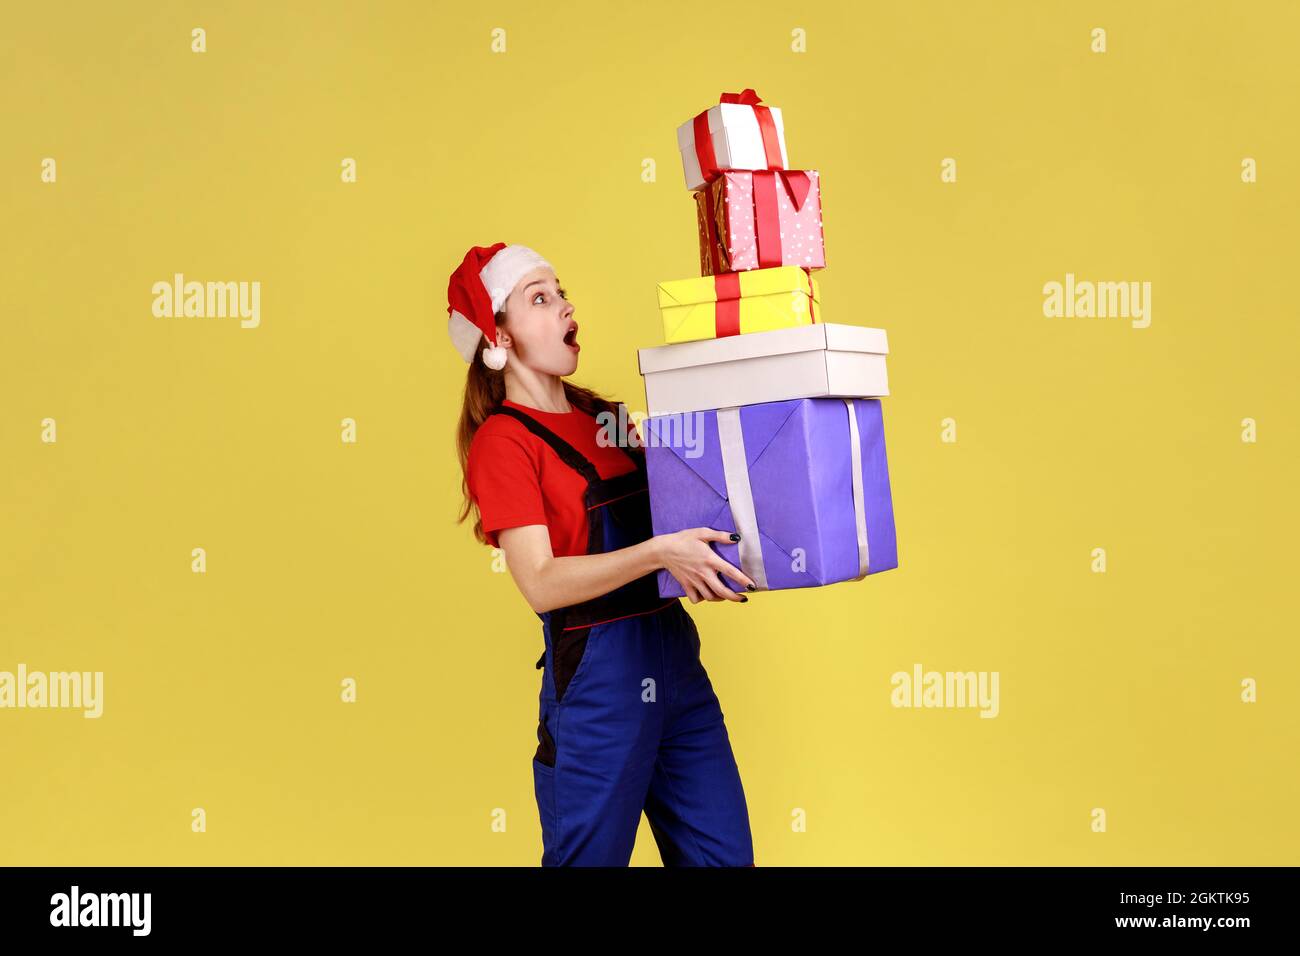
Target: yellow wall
[(1119, 690)]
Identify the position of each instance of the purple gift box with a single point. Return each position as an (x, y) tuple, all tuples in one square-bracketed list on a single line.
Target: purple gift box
[(805, 482)]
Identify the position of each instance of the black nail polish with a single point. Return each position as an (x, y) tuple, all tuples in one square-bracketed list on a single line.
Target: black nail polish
[(751, 587), (735, 536), (743, 599)]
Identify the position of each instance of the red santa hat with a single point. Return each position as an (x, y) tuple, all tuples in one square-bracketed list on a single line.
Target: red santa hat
[(478, 289)]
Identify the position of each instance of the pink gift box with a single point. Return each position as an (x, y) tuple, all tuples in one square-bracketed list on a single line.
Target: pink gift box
[(760, 219)]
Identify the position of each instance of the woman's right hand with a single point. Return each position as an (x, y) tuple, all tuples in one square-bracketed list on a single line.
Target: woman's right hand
[(686, 555)]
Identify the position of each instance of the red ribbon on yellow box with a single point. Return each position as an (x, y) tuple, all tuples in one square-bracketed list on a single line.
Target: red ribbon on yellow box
[(726, 311), (766, 126)]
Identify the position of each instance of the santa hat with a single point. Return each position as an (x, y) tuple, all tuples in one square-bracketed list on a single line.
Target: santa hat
[(478, 289)]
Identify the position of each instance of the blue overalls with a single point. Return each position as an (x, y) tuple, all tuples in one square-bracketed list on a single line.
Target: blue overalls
[(628, 720)]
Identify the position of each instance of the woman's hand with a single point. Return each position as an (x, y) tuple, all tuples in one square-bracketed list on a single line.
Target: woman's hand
[(686, 555)]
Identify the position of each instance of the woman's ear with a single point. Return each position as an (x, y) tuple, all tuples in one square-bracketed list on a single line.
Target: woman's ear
[(503, 338)]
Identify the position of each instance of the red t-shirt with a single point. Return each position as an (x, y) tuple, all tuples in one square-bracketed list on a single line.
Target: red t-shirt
[(517, 479)]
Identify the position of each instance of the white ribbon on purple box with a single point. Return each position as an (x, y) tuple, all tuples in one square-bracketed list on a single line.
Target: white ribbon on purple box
[(740, 496)]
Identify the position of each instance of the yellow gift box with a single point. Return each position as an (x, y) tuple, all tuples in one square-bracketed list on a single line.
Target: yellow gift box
[(732, 303)]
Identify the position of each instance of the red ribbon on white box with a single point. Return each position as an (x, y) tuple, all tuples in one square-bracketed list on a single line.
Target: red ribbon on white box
[(766, 127)]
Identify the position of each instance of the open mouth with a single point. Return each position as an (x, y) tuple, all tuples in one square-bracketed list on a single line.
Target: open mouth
[(571, 336)]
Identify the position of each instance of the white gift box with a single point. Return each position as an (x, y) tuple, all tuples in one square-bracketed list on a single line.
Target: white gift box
[(807, 361), (737, 141)]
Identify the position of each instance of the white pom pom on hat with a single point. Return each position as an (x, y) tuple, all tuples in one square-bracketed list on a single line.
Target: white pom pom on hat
[(476, 292)]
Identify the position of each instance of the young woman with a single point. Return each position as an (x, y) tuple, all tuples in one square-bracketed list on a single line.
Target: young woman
[(628, 720)]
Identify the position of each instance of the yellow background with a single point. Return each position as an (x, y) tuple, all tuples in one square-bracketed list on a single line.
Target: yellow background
[(326, 560)]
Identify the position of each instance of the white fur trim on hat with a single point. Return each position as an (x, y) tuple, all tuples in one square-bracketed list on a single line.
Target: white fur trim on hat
[(505, 269), (465, 335)]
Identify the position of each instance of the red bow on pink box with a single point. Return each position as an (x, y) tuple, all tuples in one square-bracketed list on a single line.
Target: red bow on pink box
[(767, 220), (714, 217)]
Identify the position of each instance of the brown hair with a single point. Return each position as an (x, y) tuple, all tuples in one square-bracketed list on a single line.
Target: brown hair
[(485, 389)]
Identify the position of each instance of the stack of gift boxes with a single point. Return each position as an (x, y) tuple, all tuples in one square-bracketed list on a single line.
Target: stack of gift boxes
[(763, 418)]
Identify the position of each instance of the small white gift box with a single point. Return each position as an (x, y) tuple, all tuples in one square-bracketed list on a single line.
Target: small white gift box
[(737, 133)]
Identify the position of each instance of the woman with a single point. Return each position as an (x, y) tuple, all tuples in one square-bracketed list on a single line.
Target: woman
[(628, 720)]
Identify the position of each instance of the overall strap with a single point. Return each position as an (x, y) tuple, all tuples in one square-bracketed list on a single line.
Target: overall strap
[(568, 454)]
